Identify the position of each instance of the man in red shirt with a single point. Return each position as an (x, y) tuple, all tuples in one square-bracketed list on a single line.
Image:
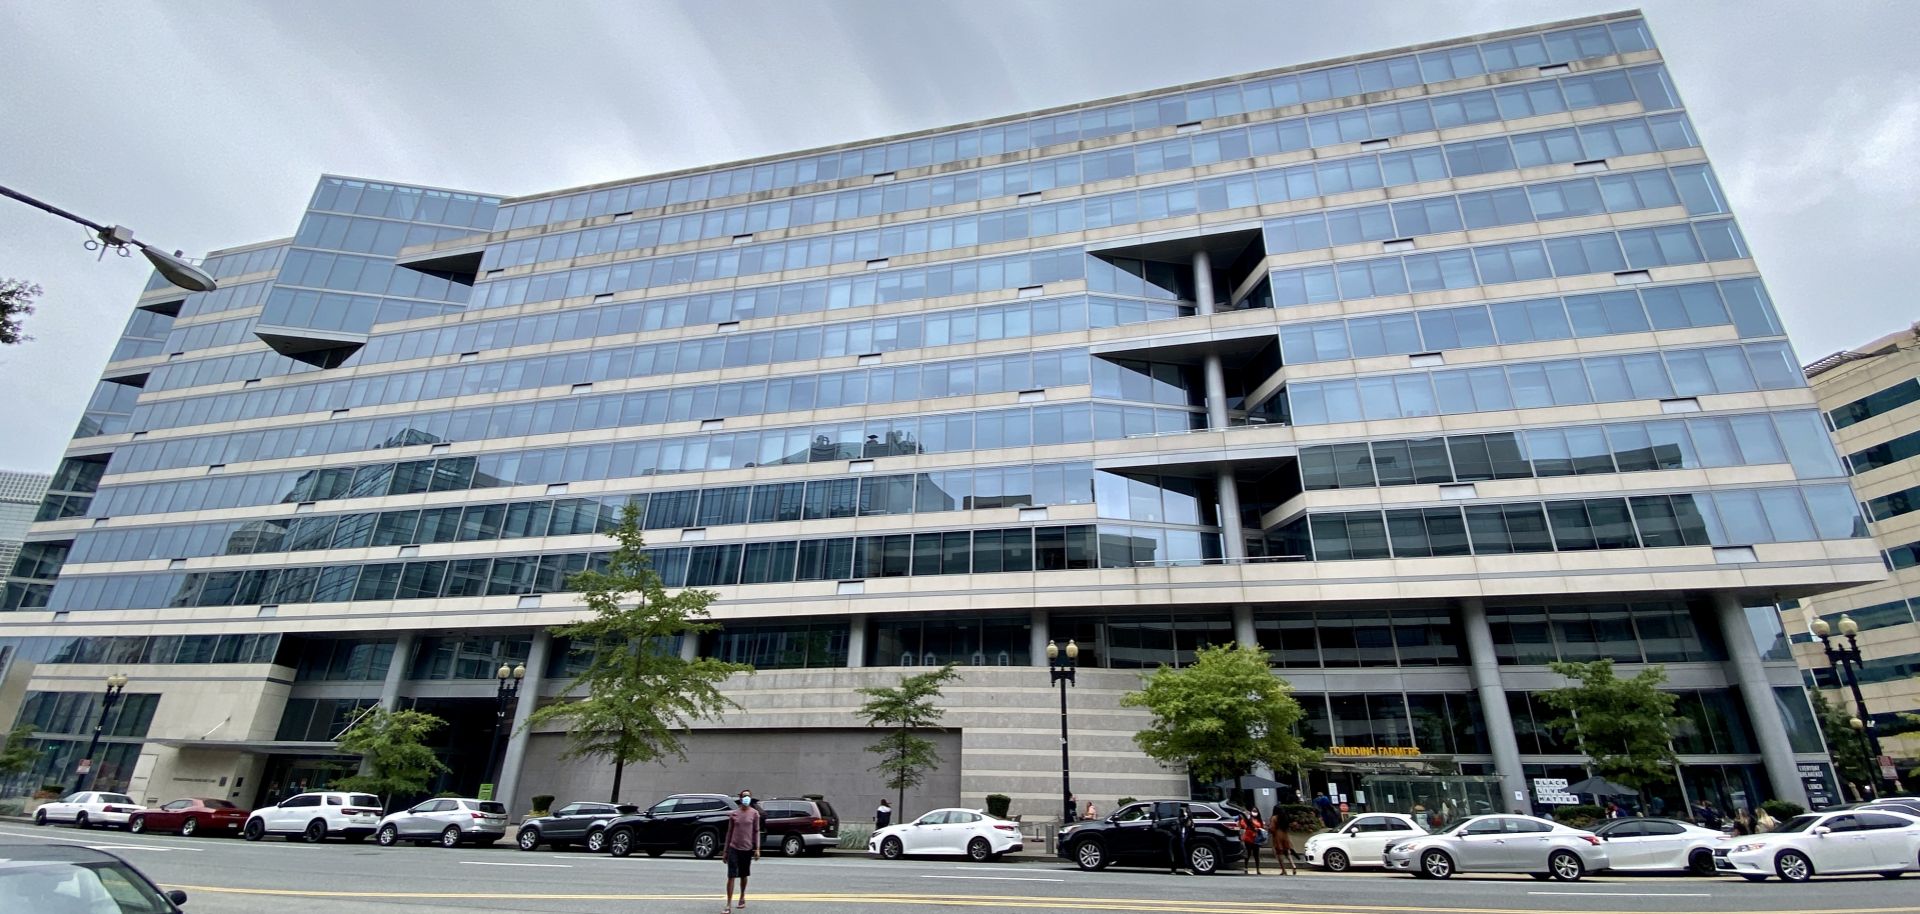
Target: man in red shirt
[(743, 847)]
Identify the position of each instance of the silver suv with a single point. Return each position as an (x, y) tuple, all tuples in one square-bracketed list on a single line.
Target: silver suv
[(451, 821)]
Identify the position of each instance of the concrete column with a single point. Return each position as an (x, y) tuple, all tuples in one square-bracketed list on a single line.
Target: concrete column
[(1243, 630), (1745, 669), (397, 671), (516, 755), (1493, 702), (1037, 638), (390, 686), (1213, 374), (690, 647), (1233, 541), (1203, 281), (856, 641)]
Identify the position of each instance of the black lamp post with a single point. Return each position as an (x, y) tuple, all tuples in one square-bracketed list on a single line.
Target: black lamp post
[(116, 684), (120, 238), (1063, 673), (503, 697), (1846, 664)]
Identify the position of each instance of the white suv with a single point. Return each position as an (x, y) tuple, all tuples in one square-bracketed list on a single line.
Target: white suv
[(313, 816)]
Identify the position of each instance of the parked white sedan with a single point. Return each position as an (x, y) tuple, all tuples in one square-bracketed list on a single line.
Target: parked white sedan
[(88, 808), (1827, 844), (979, 836), (1361, 842), (1645, 845)]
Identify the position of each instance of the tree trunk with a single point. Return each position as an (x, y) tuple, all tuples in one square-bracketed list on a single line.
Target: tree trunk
[(619, 767), (900, 806)]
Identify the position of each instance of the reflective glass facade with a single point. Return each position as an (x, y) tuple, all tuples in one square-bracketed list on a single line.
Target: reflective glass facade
[(1372, 364)]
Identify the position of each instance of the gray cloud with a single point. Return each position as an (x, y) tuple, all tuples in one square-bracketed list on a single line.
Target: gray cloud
[(205, 125)]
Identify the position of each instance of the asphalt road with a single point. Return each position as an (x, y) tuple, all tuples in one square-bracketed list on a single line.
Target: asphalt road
[(228, 876)]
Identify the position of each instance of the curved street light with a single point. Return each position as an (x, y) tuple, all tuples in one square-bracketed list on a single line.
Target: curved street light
[(120, 238)]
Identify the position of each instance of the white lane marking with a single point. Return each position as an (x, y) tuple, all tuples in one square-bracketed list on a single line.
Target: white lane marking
[(562, 866), (997, 878), (103, 847), (1630, 894)]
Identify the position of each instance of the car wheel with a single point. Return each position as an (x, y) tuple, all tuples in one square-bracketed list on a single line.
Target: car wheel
[(1793, 866), (254, 830), (528, 839), (1336, 861), (388, 836), (450, 837), (1700, 862), (315, 832), (705, 845), (137, 825), (1435, 864), (188, 826), (1203, 859), (620, 842), (1566, 866), (39, 817), (979, 851), (891, 849), (597, 841), (793, 846), (1090, 855), (80, 820)]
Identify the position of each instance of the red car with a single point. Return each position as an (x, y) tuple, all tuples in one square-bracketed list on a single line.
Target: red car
[(191, 816)]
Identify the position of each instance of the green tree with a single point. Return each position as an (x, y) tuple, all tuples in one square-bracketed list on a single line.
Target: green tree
[(1844, 744), (393, 745), (637, 697), (1221, 715), (905, 755), (16, 302), (17, 757), (1624, 725)]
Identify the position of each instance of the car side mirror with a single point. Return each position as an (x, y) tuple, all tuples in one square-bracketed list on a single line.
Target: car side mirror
[(177, 897), (1821, 831)]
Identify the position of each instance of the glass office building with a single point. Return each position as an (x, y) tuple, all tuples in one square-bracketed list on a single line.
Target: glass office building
[(1420, 370)]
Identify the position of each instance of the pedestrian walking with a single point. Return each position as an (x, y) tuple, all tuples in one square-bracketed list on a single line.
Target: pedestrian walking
[(743, 847), (1283, 847), (1329, 816), (883, 816), (1250, 829)]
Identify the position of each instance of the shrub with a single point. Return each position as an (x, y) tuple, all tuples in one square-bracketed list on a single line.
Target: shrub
[(1297, 817), (854, 837), (1783, 810), (997, 805), (1579, 816), (448, 795), (542, 804), (1123, 801)]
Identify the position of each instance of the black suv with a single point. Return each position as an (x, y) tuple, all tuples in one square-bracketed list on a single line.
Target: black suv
[(1129, 837), (684, 821), (575, 823), (797, 825)]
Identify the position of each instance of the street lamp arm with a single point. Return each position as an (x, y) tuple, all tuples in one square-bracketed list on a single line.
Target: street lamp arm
[(177, 271)]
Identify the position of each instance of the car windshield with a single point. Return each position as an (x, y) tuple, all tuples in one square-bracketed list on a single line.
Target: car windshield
[(1458, 827), (116, 798), (1797, 824), (363, 799), (36, 885)]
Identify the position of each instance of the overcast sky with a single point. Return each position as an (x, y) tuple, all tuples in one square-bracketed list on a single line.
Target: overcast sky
[(205, 125)]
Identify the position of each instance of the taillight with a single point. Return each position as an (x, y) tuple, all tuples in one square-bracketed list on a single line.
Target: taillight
[(1592, 840), (819, 823), (355, 812), (478, 816), (1007, 827)]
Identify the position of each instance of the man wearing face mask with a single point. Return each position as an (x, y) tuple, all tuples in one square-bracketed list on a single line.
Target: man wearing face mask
[(743, 847)]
